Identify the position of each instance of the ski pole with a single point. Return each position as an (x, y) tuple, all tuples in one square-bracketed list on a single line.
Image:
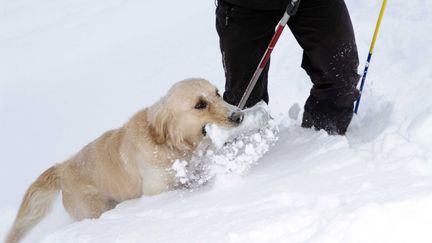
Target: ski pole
[(370, 53), (290, 11)]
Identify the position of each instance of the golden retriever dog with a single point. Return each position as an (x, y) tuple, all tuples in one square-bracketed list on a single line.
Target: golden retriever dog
[(130, 161)]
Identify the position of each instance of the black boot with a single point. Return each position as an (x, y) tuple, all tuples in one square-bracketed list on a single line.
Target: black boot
[(326, 115)]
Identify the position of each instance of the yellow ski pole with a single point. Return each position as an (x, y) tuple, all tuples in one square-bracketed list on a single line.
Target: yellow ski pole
[(372, 46)]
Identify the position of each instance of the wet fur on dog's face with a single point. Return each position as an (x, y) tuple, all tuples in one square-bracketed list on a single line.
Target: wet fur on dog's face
[(178, 118)]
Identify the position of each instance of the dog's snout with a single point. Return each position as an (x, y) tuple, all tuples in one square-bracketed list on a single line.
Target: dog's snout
[(236, 117)]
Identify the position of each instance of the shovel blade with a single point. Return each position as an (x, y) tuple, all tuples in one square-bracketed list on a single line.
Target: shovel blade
[(254, 119)]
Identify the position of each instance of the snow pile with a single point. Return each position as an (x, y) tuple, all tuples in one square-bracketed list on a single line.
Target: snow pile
[(230, 150)]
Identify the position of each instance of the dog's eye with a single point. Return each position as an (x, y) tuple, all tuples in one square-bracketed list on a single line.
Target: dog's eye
[(201, 105)]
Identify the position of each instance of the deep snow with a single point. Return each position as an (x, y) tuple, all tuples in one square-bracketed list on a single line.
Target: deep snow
[(72, 69)]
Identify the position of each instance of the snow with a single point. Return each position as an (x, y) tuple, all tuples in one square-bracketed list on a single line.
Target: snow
[(229, 150), (72, 69), (254, 118)]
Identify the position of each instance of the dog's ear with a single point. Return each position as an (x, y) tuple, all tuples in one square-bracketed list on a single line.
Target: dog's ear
[(159, 118)]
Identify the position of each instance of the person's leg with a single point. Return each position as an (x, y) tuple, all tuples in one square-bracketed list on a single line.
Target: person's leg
[(323, 28), (243, 36)]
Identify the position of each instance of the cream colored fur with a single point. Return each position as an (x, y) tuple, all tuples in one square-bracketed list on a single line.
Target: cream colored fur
[(127, 162)]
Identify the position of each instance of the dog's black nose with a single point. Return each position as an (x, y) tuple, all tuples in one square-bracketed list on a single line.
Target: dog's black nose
[(236, 117), (203, 130)]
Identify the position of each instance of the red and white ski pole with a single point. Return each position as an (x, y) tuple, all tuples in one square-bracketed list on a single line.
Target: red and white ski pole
[(290, 11)]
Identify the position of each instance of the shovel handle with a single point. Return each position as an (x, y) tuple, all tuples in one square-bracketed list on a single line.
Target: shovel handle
[(290, 11), (293, 7)]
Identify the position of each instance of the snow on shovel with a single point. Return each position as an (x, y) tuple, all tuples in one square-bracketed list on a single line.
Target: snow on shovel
[(229, 150)]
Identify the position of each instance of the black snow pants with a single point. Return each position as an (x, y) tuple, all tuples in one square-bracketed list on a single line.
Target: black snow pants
[(322, 28)]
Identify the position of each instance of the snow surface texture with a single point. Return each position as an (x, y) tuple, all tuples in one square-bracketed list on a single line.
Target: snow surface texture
[(72, 69), (229, 150)]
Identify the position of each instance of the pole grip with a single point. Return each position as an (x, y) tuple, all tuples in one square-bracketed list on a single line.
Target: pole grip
[(293, 7)]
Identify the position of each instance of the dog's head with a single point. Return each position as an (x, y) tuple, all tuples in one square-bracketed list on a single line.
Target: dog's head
[(179, 118)]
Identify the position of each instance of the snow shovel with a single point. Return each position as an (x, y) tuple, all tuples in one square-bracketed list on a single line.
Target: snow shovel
[(234, 149), (259, 112)]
